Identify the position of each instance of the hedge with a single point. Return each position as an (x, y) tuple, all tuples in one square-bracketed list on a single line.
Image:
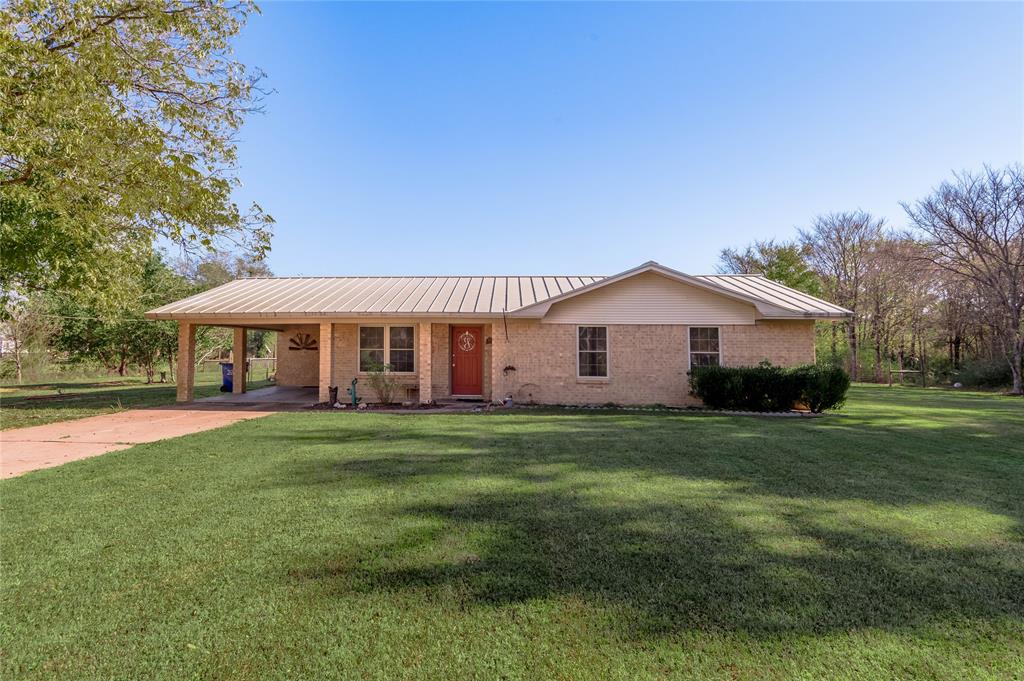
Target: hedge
[(770, 388)]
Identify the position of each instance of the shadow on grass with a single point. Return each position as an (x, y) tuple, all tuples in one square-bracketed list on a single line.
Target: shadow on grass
[(72, 385), (838, 457), (683, 523), (670, 568), (100, 400)]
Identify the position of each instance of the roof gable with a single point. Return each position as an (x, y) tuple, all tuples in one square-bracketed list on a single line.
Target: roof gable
[(650, 298), (772, 299)]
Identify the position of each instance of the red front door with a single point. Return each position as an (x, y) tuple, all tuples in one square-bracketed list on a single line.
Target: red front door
[(467, 361)]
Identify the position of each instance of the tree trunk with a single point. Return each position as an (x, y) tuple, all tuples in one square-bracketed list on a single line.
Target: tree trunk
[(17, 362), (1018, 384), (1018, 388), (924, 365), (852, 338), (1014, 355), (876, 332)]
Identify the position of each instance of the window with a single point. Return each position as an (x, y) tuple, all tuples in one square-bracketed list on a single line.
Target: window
[(704, 349), (392, 345), (593, 351), (400, 348), (371, 347)]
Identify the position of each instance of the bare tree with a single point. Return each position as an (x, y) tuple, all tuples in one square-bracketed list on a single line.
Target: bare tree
[(838, 246), (974, 228), (895, 288), (26, 324)]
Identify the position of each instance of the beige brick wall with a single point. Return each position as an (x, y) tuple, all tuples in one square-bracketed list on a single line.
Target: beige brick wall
[(782, 342), (441, 365), (297, 367), (488, 349), (647, 363), (346, 367)]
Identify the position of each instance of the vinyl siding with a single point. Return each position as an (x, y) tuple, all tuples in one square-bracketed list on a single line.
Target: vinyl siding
[(650, 298)]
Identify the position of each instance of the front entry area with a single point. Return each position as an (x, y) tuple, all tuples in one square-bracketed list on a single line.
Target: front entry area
[(467, 361)]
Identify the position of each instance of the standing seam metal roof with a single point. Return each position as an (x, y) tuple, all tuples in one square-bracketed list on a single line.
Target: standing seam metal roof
[(373, 295), (480, 295)]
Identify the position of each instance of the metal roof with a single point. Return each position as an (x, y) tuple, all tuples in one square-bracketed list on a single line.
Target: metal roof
[(320, 296), (487, 296), (773, 293)]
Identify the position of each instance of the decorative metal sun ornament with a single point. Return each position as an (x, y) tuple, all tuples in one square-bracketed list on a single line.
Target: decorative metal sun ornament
[(302, 341), (467, 341)]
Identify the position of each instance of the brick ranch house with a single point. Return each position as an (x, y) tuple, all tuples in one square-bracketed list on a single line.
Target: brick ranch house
[(630, 338)]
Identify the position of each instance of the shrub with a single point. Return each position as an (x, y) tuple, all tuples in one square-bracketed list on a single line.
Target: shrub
[(769, 388), (821, 387), (383, 383), (986, 373)]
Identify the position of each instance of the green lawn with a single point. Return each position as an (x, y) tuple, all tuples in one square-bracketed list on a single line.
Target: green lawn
[(63, 400), (884, 542)]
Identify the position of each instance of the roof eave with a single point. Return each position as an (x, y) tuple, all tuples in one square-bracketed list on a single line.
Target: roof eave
[(198, 316), (808, 315)]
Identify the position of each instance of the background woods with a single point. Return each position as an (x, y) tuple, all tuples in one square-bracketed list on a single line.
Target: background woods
[(58, 331), (943, 299)]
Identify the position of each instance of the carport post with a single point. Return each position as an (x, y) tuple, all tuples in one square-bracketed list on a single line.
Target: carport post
[(238, 358), (326, 344), (186, 361)]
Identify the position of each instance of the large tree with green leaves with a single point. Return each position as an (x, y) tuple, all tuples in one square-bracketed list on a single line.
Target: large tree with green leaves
[(117, 128), (784, 262), (88, 332)]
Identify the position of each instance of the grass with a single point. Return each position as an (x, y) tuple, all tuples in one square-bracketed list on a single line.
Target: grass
[(64, 400), (885, 542)]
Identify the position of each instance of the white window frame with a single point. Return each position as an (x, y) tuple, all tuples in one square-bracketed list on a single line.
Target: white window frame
[(689, 350), (387, 347), (607, 352)]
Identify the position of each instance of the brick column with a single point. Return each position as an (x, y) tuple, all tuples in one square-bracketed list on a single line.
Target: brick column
[(326, 343), (238, 357), (186, 370), (499, 346), (425, 363)]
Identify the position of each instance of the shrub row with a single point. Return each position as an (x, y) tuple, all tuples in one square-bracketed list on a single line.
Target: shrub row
[(770, 388)]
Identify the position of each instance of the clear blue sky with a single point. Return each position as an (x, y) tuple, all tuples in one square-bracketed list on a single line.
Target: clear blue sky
[(587, 138)]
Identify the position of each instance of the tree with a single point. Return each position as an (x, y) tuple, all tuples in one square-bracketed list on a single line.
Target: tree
[(220, 268), (217, 269), (784, 262), (28, 326), (838, 246), (117, 123), (88, 331), (974, 229)]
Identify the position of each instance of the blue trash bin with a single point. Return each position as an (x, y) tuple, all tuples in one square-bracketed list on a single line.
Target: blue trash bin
[(227, 372)]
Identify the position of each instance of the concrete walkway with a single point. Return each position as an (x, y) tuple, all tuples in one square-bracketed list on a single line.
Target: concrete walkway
[(276, 394), (28, 449)]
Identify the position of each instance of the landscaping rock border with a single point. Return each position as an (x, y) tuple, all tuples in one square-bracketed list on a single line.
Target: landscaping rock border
[(696, 411), (490, 408)]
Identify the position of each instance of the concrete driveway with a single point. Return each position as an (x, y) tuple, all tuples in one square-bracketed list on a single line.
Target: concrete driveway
[(28, 449)]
